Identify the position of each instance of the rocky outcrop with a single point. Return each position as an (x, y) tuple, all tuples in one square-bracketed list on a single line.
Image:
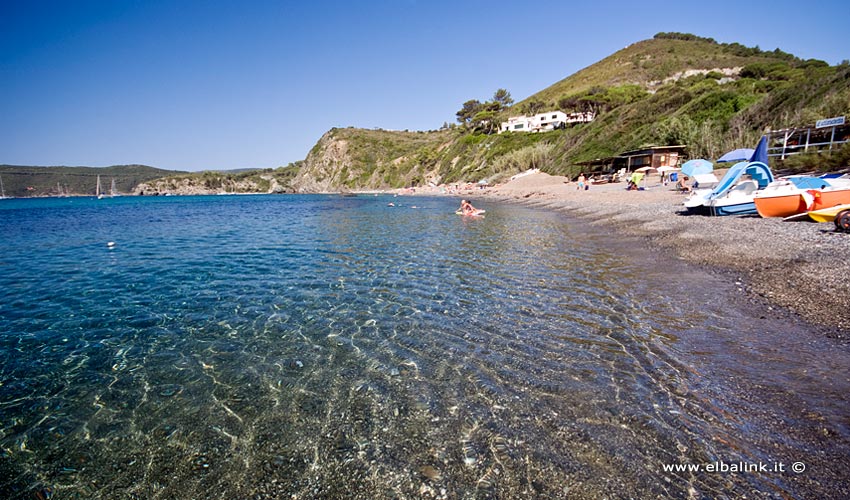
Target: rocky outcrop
[(325, 165), (351, 159)]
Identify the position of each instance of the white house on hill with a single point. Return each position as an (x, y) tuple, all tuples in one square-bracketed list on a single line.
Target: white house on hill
[(544, 121)]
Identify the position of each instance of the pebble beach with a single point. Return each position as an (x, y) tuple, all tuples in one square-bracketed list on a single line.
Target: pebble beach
[(800, 268)]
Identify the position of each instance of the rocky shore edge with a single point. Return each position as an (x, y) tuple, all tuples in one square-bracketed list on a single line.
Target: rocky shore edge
[(802, 268)]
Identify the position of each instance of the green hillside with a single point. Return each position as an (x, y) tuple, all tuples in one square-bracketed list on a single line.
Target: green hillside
[(682, 89), (355, 158), (24, 181), (649, 63), (675, 89), (671, 90)]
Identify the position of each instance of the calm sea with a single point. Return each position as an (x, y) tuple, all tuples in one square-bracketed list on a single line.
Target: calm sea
[(336, 347)]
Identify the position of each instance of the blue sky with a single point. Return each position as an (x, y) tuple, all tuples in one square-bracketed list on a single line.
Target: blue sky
[(195, 85)]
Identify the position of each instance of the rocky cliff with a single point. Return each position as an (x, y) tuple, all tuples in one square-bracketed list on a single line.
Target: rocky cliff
[(328, 163), (350, 158)]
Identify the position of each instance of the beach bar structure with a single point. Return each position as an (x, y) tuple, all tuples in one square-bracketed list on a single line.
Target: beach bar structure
[(652, 156), (824, 135)]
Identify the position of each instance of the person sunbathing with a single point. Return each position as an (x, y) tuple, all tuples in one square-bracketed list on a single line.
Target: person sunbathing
[(682, 186)]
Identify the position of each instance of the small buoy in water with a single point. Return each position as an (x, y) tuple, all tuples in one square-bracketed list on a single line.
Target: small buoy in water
[(111, 244)]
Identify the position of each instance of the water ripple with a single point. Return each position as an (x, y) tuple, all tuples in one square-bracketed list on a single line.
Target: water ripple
[(328, 347)]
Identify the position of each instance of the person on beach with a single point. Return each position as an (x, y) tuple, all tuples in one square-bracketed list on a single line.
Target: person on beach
[(466, 208), (581, 181), (682, 186)]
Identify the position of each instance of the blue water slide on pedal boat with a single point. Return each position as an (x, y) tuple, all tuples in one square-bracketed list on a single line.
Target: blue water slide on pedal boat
[(734, 195)]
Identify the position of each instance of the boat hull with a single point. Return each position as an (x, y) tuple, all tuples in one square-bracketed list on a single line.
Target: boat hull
[(827, 214), (786, 205), (745, 208), (781, 206), (831, 197), (697, 202)]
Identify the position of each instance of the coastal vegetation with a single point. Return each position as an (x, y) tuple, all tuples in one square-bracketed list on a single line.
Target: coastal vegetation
[(824, 162), (674, 89), (478, 116), (268, 180)]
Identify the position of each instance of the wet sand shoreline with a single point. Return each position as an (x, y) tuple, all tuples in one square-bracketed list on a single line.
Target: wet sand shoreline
[(800, 267)]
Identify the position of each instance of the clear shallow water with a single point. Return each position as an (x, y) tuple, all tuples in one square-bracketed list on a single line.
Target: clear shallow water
[(334, 347)]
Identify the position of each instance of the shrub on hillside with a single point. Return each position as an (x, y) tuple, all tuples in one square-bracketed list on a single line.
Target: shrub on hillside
[(535, 156), (818, 162), (682, 36), (768, 71)]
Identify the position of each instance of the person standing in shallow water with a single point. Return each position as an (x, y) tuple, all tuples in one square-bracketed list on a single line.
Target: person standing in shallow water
[(581, 181)]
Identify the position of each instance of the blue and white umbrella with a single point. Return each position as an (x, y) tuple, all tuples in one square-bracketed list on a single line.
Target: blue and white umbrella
[(742, 154), (747, 154), (696, 167)]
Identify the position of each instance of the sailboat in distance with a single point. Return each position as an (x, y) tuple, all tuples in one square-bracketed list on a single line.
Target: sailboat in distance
[(97, 190), (2, 190)]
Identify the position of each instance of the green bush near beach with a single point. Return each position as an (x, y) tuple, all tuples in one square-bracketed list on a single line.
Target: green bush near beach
[(829, 161)]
